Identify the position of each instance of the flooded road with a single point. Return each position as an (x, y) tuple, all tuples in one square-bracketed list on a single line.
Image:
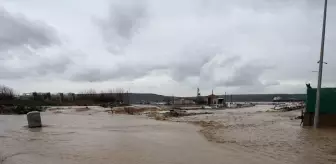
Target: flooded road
[(237, 136)]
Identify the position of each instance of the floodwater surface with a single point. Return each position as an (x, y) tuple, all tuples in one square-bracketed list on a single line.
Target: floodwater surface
[(265, 133), (95, 137)]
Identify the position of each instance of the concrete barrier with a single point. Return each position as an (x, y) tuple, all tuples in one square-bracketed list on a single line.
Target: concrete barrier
[(34, 119)]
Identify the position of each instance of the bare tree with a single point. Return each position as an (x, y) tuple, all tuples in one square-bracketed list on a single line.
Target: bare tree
[(6, 93), (91, 92), (111, 95), (48, 96), (110, 91), (120, 95), (61, 97), (73, 96), (88, 94), (35, 95)]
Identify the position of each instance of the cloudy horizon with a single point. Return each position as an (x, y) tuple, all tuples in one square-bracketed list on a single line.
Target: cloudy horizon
[(165, 47)]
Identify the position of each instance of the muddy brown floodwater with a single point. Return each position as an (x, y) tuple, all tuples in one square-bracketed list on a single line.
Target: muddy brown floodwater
[(240, 136), (261, 133)]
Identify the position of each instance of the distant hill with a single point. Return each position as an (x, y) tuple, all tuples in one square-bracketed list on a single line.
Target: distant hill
[(263, 97), (150, 97), (138, 97)]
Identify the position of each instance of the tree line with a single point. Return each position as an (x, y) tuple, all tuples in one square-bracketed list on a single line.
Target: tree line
[(6, 93), (88, 96)]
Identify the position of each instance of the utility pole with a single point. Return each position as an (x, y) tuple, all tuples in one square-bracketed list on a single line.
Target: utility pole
[(225, 100), (319, 81), (129, 96), (173, 100)]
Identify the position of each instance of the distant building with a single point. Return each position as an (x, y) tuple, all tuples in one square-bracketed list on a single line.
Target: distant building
[(277, 98), (26, 96), (212, 99), (215, 100), (70, 96), (280, 99), (48, 96), (35, 95), (183, 102), (55, 97)]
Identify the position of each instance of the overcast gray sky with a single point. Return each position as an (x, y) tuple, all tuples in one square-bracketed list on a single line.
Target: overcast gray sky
[(168, 47)]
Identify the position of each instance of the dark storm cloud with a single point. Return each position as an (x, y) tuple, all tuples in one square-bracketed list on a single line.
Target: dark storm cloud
[(265, 28), (123, 22), (42, 66), (173, 40), (52, 66), (20, 36), (192, 60), (229, 61), (6, 73), (92, 75), (18, 32), (247, 75), (192, 67), (124, 71), (191, 63)]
